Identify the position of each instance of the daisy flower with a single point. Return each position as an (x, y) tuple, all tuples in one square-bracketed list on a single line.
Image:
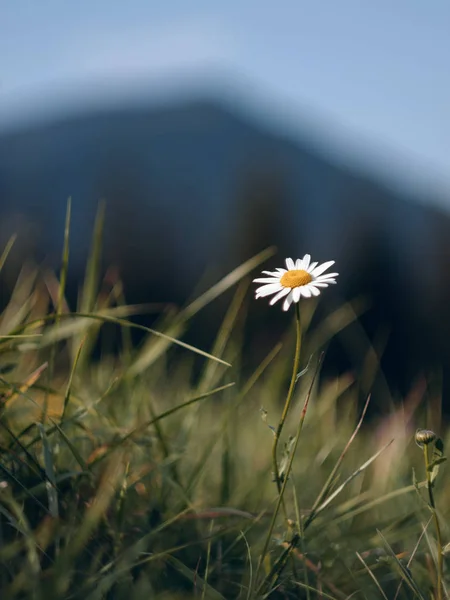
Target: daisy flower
[(301, 278)]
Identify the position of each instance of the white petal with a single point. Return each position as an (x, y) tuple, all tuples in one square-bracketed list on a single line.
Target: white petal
[(266, 290), (306, 292), (266, 280), (306, 261), (321, 268), (321, 284), (287, 302), (324, 280), (312, 266), (281, 294), (296, 294), (272, 273), (290, 264), (327, 276), (314, 290), (298, 263), (281, 270)]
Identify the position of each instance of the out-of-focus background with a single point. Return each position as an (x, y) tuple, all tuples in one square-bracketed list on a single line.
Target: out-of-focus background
[(213, 130)]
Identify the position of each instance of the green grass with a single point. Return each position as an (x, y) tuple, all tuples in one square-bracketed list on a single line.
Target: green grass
[(126, 476)]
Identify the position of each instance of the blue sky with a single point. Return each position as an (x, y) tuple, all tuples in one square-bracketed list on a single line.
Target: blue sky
[(372, 78)]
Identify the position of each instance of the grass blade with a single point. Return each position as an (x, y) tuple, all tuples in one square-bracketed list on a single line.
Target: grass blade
[(199, 584), (52, 490), (163, 415), (372, 576), (7, 250), (358, 471), (404, 573)]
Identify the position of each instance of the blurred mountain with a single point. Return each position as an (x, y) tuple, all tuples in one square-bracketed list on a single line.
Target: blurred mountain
[(200, 185)]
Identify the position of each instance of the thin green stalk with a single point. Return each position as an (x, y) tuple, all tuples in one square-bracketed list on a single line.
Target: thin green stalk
[(436, 521), (290, 394), (277, 435), (296, 538)]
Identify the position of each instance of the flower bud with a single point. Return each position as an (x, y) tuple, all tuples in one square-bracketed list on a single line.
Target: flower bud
[(424, 437)]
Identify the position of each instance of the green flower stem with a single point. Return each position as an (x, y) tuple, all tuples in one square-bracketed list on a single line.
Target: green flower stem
[(279, 565), (435, 519), (277, 435), (289, 397)]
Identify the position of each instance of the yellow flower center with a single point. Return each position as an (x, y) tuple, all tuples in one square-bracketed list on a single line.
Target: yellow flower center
[(295, 278)]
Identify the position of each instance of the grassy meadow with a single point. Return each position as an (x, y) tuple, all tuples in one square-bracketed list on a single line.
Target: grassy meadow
[(130, 475)]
